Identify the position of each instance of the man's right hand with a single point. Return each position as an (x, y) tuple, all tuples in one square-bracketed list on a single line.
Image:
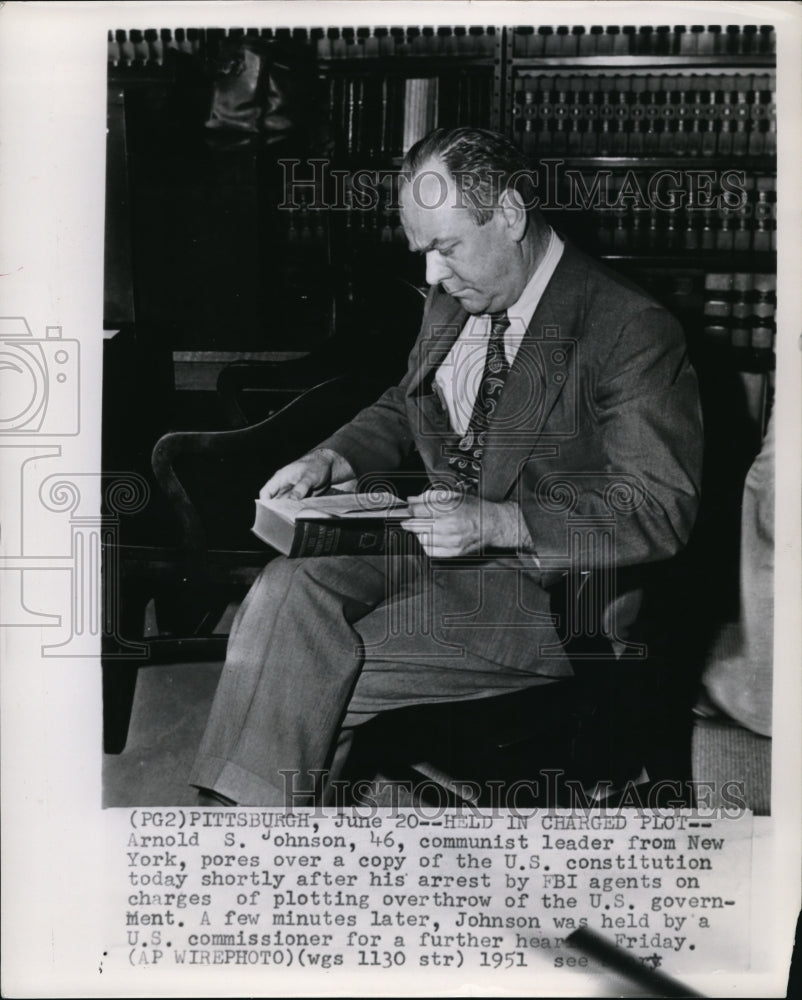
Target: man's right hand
[(309, 476)]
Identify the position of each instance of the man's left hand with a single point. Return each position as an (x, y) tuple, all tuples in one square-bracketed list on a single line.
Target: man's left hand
[(451, 525)]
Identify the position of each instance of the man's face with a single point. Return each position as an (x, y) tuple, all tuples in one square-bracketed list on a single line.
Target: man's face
[(478, 265)]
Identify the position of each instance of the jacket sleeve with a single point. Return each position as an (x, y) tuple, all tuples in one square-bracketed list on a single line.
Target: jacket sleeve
[(640, 469)]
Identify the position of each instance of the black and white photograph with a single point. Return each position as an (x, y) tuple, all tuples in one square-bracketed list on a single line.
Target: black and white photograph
[(401, 475)]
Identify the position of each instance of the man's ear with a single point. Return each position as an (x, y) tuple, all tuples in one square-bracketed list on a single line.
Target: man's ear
[(513, 212)]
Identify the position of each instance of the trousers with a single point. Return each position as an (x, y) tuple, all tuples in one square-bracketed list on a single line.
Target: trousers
[(319, 646)]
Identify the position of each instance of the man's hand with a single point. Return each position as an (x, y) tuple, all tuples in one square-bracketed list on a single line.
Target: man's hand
[(309, 476), (450, 525)]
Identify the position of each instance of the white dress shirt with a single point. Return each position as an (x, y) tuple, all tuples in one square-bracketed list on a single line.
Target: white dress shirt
[(457, 379)]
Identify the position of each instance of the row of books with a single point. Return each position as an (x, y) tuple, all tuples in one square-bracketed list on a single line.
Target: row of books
[(305, 227), (658, 232), (739, 309), (360, 43), (627, 212), (654, 232), (307, 224), (636, 212), (126, 46), (366, 229), (748, 294), (695, 138), (378, 117), (138, 47), (681, 40), (148, 46), (636, 115), (657, 95), (547, 41), (721, 310)]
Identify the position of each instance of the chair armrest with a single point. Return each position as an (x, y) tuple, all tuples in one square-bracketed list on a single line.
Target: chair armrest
[(211, 478)]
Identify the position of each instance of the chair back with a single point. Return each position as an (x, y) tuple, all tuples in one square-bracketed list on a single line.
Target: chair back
[(211, 478)]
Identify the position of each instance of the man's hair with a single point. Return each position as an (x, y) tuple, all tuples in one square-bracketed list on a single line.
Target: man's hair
[(482, 163)]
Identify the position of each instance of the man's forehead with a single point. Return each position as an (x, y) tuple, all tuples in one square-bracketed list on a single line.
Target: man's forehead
[(431, 186), (435, 228), (431, 202)]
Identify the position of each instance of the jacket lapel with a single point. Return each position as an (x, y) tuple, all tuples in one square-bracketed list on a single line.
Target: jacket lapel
[(544, 366), (427, 413), (444, 322)]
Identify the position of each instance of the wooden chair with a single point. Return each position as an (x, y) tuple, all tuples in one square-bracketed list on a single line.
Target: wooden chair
[(604, 725), (206, 555)]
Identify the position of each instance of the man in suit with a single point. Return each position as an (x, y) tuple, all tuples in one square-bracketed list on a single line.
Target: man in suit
[(543, 395)]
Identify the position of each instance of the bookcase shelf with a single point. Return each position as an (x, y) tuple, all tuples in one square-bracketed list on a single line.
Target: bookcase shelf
[(406, 64), (380, 107), (673, 90), (698, 260), (752, 164), (678, 62), (572, 42)]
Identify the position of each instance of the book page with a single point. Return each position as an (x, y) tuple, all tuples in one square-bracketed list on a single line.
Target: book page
[(343, 505)]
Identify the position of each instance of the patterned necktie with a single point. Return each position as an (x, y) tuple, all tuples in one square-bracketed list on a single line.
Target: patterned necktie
[(466, 460)]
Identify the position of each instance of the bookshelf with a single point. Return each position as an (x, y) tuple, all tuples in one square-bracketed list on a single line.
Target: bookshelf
[(387, 87), (630, 104), (719, 42), (615, 106)]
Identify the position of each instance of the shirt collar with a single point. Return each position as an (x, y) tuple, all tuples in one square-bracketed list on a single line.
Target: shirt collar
[(529, 298)]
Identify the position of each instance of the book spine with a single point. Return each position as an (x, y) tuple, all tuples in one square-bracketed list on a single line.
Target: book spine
[(327, 537), (409, 96), (350, 133), (385, 142), (433, 104)]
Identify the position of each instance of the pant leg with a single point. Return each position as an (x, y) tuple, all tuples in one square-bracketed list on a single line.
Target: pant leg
[(313, 638), (402, 668), (292, 660)]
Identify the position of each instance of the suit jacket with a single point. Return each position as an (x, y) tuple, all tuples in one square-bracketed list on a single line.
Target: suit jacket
[(597, 437)]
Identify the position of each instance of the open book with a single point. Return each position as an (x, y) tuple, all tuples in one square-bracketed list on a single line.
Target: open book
[(333, 525)]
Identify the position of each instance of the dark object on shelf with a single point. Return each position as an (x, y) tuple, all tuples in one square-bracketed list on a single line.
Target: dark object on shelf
[(261, 94)]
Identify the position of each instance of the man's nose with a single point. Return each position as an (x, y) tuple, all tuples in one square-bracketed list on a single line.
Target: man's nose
[(437, 268)]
